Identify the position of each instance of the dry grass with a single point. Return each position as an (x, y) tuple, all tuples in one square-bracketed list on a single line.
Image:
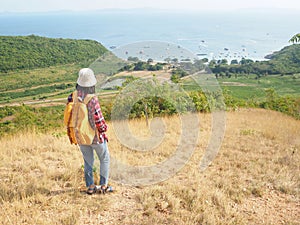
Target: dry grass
[(253, 180), (144, 74)]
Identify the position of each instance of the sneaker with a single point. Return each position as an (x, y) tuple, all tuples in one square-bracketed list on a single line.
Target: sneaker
[(104, 189), (91, 190)]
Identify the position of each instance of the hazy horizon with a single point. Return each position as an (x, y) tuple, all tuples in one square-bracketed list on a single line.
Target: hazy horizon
[(149, 9), (18, 6)]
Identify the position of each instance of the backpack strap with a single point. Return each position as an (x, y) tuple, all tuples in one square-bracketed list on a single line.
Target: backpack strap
[(88, 98), (74, 96)]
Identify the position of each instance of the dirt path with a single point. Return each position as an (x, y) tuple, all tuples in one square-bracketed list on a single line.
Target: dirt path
[(52, 102), (143, 74), (41, 103), (35, 87), (238, 84)]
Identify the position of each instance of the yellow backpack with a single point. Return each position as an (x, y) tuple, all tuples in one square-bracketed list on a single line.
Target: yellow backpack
[(76, 120)]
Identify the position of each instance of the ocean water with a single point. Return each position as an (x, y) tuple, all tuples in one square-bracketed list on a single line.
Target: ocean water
[(248, 34)]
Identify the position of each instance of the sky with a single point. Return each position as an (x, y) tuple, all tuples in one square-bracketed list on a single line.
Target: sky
[(195, 5)]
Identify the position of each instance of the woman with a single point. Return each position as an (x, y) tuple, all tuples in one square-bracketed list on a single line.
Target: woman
[(86, 85)]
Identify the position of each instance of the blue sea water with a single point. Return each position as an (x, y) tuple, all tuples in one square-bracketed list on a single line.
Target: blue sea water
[(231, 35)]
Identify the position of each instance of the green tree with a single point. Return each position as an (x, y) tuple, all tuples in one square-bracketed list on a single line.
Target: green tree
[(133, 59), (246, 61), (295, 38), (140, 66), (150, 61), (234, 62), (168, 60), (175, 78), (204, 60), (175, 60)]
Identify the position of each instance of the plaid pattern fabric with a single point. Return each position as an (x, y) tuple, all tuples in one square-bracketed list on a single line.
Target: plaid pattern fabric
[(96, 118)]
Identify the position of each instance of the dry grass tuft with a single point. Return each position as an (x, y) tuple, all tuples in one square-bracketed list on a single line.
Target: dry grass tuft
[(253, 180)]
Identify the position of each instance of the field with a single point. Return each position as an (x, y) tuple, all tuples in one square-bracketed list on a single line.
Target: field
[(53, 84), (253, 180), (248, 87), (37, 84)]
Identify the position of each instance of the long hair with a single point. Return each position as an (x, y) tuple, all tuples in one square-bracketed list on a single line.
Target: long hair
[(86, 90)]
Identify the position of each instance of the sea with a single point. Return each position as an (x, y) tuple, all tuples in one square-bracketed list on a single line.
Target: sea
[(232, 35)]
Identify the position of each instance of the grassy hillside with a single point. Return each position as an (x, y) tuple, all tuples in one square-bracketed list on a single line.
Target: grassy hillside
[(253, 180), (290, 53), (287, 59), (42, 106), (29, 52), (35, 84), (49, 86), (38, 68)]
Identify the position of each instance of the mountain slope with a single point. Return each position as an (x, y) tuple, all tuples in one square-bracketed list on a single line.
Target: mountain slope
[(253, 179), (29, 52), (287, 59)]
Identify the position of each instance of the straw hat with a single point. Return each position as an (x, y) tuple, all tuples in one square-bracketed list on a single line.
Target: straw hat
[(86, 78)]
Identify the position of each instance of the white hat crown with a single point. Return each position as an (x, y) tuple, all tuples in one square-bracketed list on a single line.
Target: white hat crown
[(86, 78)]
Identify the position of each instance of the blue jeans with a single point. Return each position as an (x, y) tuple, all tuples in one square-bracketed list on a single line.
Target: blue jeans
[(88, 156)]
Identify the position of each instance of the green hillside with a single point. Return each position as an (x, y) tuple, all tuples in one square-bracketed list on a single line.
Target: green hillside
[(30, 52), (287, 59), (38, 73)]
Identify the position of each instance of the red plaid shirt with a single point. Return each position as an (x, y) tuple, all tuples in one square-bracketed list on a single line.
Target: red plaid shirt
[(96, 118)]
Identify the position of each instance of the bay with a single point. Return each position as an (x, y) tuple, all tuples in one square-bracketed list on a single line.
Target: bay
[(232, 35)]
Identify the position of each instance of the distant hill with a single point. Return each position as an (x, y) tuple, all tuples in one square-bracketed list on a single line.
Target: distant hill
[(29, 52), (287, 58), (291, 52)]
